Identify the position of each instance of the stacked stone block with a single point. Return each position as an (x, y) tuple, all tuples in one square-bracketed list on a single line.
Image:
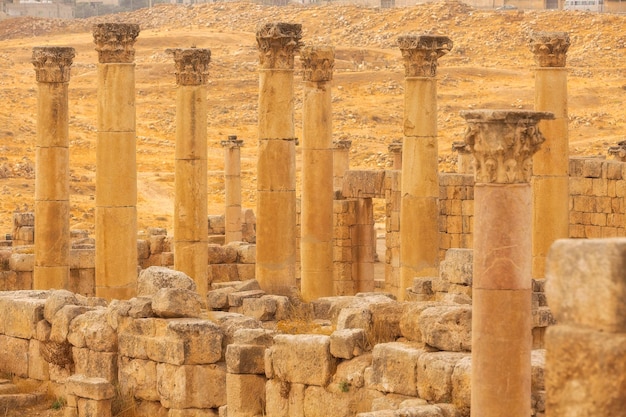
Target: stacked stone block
[(456, 212), (88, 397), (344, 219), (23, 232), (393, 198)]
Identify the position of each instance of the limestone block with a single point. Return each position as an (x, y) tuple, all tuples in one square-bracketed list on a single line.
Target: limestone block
[(434, 375), (140, 307), (22, 262), (382, 413), (95, 364), (14, 356), (447, 327), (139, 378), (351, 373), (586, 370), (191, 386), (284, 399), (422, 285), (394, 368), (176, 302), (329, 308), (245, 359), (409, 322), (321, 402), (219, 254), (347, 343), (154, 278), (246, 254), (461, 386), (230, 323), (312, 353), (62, 320), (354, 318), (245, 395), (202, 340), (150, 408), (90, 388), (218, 299), (24, 314), (93, 331), (263, 308), (259, 337), (420, 411), (246, 271), (386, 321), (93, 408), (235, 299), (117, 313), (457, 267), (37, 365), (190, 412), (538, 365), (585, 283)]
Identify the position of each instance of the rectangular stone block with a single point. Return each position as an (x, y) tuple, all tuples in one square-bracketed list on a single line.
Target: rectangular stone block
[(245, 395), (245, 359), (138, 377), (95, 364), (90, 388), (37, 365), (585, 283), (14, 356), (394, 368), (93, 408), (312, 354), (191, 386), (24, 315), (434, 375), (191, 412), (201, 340), (284, 399)]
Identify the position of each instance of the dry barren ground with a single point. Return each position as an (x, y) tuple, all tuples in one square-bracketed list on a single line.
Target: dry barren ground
[(490, 66)]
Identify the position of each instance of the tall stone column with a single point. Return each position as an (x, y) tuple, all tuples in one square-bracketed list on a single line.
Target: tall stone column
[(232, 184), (550, 183), (276, 167), (395, 149), (464, 161), (503, 143), (116, 168), (52, 191), (419, 213), (191, 228), (341, 162), (316, 242)]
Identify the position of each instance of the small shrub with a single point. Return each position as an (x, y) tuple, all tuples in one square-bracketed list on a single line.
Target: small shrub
[(58, 403)]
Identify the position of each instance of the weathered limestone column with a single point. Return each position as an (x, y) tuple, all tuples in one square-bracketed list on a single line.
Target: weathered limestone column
[(395, 149), (550, 181), (52, 191), (316, 242), (232, 184), (276, 175), (419, 213), (464, 161), (116, 168), (341, 162), (503, 143), (191, 228)]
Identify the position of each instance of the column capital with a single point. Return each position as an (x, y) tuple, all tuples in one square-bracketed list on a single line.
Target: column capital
[(232, 142), (549, 48), (503, 143), (52, 63), (395, 146), (318, 63), (114, 42), (192, 65), (420, 53), (340, 144), (278, 43), (461, 147)]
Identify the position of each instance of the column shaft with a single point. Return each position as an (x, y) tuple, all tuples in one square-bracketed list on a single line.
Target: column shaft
[(232, 179)]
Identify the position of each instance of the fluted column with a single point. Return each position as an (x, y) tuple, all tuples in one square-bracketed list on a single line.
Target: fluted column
[(316, 242), (341, 162), (419, 213), (276, 167), (550, 183), (503, 143), (116, 167), (52, 192), (395, 149), (464, 160), (232, 184), (191, 229)]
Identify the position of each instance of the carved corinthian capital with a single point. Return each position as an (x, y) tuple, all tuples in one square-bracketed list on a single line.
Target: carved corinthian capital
[(52, 63), (503, 143), (420, 53), (192, 65), (278, 43), (549, 48), (318, 63), (114, 42)]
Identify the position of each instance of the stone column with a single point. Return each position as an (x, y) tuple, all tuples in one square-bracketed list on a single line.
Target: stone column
[(232, 184), (503, 143), (419, 213), (316, 242), (395, 149), (550, 183), (276, 167), (116, 168), (341, 162), (52, 191), (191, 227), (465, 160)]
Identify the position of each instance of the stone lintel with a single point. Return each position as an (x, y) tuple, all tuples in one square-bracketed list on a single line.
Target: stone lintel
[(115, 41), (549, 48), (278, 43), (503, 143), (340, 144), (461, 147), (52, 63), (318, 63), (192, 65), (420, 53)]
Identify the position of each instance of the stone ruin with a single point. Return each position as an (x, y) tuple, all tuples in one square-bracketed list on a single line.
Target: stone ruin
[(282, 315)]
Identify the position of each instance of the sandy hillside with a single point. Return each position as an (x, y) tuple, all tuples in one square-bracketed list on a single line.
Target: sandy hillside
[(489, 66)]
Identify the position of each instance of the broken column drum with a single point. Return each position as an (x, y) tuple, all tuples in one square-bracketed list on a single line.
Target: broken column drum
[(190, 207), (116, 168), (52, 205), (550, 182), (232, 184), (276, 168), (419, 213), (395, 149), (503, 143), (341, 162), (465, 160), (316, 243)]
